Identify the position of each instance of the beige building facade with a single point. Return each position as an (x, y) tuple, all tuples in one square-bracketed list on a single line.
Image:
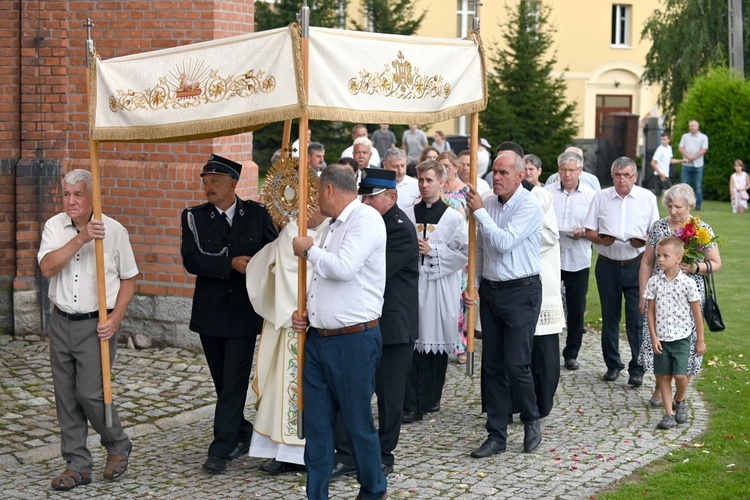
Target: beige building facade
[(597, 44)]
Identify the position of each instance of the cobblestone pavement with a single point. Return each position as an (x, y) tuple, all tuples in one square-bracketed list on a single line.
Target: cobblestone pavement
[(598, 433)]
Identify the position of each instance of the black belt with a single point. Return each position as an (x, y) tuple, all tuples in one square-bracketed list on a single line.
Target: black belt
[(348, 329), (529, 280), (622, 263), (80, 316)]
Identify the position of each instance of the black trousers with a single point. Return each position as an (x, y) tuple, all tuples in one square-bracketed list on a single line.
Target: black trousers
[(576, 288), (545, 370), (424, 387), (509, 317), (390, 387), (230, 360), (615, 281)]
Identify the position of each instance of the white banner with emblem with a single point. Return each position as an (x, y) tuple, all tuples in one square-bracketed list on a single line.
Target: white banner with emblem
[(242, 83), (206, 89), (379, 78)]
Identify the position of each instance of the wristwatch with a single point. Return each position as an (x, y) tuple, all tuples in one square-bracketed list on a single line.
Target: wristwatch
[(305, 253)]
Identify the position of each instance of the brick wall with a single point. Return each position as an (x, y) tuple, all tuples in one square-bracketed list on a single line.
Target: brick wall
[(145, 186), (10, 55)]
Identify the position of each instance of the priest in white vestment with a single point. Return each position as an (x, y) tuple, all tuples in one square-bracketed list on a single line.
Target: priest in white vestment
[(272, 288), (545, 353)]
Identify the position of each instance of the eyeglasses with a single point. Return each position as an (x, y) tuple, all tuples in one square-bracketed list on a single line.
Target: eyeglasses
[(564, 171), (623, 176)]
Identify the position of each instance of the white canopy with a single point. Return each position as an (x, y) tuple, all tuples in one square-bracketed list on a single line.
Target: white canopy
[(242, 83)]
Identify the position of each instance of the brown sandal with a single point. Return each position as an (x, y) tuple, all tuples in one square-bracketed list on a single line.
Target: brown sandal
[(117, 464), (70, 479)]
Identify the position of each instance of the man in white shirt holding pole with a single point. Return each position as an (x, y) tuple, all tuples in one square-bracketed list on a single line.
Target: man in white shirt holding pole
[(344, 344)]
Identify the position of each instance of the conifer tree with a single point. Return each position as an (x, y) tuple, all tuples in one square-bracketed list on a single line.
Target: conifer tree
[(390, 16), (527, 104), (323, 13)]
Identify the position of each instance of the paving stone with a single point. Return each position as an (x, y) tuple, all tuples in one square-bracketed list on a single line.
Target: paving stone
[(597, 433)]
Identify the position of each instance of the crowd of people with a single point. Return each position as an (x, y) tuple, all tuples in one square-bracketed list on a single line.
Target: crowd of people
[(381, 243)]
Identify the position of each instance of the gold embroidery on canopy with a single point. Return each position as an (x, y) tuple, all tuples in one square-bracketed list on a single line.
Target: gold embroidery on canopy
[(402, 82), (192, 84)]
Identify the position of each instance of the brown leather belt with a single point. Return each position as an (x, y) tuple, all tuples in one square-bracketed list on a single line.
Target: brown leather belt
[(348, 329), (621, 262)]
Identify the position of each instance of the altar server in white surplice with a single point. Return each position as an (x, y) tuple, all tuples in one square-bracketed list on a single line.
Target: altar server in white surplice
[(272, 288), (442, 234)]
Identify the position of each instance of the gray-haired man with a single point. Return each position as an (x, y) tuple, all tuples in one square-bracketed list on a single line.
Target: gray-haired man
[(407, 187)]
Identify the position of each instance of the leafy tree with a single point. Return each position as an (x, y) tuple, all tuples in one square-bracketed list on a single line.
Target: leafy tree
[(333, 135), (391, 16), (719, 100), (687, 38), (526, 104)]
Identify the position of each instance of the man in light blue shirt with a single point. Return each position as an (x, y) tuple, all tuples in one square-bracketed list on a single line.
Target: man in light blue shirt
[(508, 265)]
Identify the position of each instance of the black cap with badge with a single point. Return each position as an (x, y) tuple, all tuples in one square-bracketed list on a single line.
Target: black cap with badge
[(222, 166), (376, 180)]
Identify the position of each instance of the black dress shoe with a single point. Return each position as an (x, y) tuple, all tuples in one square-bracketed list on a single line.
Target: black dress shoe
[(635, 380), (532, 436), (571, 364), (242, 449), (387, 469), (434, 409), (341, 471), (215, 465), (611, 375), (385, 495), (410, 416), (489, 447), (275, 467)]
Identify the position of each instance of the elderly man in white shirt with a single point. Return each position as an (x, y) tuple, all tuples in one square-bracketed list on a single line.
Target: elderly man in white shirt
[(618, 223), (571, 200), (407, 187), (344, 344), (363, 153), (66, 256), (587, 178), (357, 132)]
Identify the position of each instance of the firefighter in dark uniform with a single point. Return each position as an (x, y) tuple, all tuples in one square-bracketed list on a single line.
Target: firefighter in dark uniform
[(218, 240), (399, 323)]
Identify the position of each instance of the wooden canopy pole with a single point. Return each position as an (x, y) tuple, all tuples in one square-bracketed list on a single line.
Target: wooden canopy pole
[(285, 137), (304, 19), (99, 243), (471, 312)]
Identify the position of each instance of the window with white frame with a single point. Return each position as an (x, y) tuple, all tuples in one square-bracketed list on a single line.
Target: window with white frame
[(621, 25), (534, 8), (342, 14), (465, 17)]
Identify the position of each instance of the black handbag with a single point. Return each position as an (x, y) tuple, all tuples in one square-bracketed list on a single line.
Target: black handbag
[(711, 312)]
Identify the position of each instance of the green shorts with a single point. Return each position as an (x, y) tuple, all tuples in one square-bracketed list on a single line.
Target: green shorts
[(673, 359)]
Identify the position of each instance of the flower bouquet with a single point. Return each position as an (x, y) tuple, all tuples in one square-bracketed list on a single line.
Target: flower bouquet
[(696, 238)]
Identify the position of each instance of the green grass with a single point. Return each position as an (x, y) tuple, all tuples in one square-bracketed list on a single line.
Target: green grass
[(720, 468)]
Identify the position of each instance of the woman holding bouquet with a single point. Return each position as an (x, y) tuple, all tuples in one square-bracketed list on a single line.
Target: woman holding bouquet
[(700, 246)]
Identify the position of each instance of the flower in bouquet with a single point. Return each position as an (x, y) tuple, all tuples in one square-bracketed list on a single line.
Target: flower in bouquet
[(696, 238)]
